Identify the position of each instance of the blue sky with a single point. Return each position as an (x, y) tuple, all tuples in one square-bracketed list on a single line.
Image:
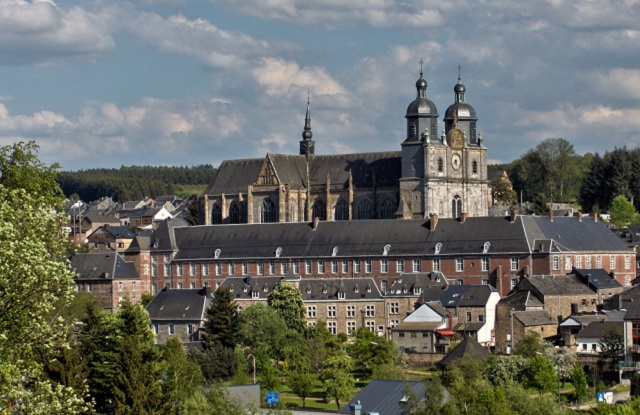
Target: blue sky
[(171, 82)]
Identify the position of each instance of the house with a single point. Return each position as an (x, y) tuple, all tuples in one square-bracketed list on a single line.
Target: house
[(588, 339), (572, 325), (384, 397), (146, 217), (110, 238), (603, 283), (108, 277), (94, 219), (179, 313), (427, 330), (472, 307), (248, 290), (403, 296)]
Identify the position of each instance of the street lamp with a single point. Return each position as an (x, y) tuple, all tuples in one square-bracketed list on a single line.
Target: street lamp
[(254, 367)]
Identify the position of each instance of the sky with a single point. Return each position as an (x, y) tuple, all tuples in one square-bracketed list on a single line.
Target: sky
[(183, 83)]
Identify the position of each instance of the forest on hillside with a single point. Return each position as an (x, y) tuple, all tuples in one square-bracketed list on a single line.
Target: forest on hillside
[(134, 182)]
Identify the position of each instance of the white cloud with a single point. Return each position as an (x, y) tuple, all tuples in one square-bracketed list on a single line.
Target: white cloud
[(42, 32)]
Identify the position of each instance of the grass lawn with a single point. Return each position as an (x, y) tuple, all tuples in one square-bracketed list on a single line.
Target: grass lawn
[(316, 400)]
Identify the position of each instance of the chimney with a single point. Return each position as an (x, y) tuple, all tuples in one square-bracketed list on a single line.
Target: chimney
[(578, 215), (463, 217), (433, 221), (514, 214), (355, 408), (551, 215), (316, 220)]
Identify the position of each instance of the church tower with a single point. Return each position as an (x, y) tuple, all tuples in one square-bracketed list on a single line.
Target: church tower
[(307, 145), (444, 175)]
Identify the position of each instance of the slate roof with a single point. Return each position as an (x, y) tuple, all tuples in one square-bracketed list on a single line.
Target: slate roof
[(633, 311), (407, 283), (233, 176), (557, 285), (597, 279), (163, 238), (322, 289), (119, 231), (102, 266), (523, 298), (437, 307), (384, 396), (460, 295), (534, 318), (468, 327), (569, 234), (596, 329), (583, 320), (469, 347), (175, 305), (353, 238), (242, 288), (100, 216)]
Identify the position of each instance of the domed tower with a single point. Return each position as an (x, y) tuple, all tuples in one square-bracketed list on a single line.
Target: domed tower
[(307, 145), (422, 115), (466, 115)]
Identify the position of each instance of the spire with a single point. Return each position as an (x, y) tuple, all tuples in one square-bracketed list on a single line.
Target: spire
[(421, 84), (459, 89), (307, 145)]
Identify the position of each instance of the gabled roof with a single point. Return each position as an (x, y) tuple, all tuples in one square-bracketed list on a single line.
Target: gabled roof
[(100, 216), (384, 168), (460, 295), (163, 238), (583, 320), (233, 176), (102, 266), (633, 311), (556, 285), (418, 326), (534, 318), (384, 396), (596, 329), (597, 279), (319, 289), (176, 305), (469, 347), (525, 299), (569, 233)]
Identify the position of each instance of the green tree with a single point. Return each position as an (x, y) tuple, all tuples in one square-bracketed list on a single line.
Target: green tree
[(579, 381), (301, 384), (563, 358), (221, 321), (33, 279), (611, 346), (336, 377), (635, 385), (287, 301), (529, 345), (181, 376), (216, 362), (263, 331), (503, 370), (622, 212), (541, 374), (369, 351)]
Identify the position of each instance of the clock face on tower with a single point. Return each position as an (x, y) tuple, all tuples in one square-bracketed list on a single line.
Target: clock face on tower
[(455, 162)]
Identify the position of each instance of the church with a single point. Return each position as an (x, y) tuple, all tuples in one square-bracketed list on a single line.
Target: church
[(443, 175)]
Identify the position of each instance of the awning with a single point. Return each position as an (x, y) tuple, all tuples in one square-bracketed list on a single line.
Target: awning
[(445, 332)]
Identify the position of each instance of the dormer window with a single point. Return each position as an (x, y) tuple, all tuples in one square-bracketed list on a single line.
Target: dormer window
[(245, 289), (278, 252), (356, 289), (342, 295), (368, 288), (255, 294), (335, 251), (265, 289), (438, 248), (386, 249), (231, 288), (485, 248), (417, 290), (308, 290), (324, 290), (217, 253)]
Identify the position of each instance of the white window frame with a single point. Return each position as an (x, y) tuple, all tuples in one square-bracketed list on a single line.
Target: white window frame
[(167, 270), (245, 268), (578, 261), (120, 286), (435, 265), (351, 327), (205, 270), (232, 269), (598, 261), (296, 267), (192, 269), (357, 266), (345, 266), (331, 311), (308, 267), (567, 263), (260, 270), (514, 282), (556, 262), (367, 266), (370, 310), (400, 266), (612, 262), (394, 308), (334, 266), (627, 262), (587, 262), (416, 265), (272, 267), (485, 264), (321, 266), (133, 286), (218, 268), (332, 326), (515, 263), (351, 311), (384, 266), (311, 311), (459, 264)]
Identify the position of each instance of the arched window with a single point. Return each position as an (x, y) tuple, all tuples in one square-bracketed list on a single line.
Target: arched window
[(319, 210), (440, 167), (342, 210), (234, 213), (456, 207), (388, 208), (268, 212), (474, 167), (365, 209), (216, 215)]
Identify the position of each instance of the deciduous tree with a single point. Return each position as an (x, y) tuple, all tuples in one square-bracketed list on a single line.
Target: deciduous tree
[(336, 377), (287, 301)]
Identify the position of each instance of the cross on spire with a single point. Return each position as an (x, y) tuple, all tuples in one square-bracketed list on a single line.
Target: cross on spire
[(421, 62), (459, 68)]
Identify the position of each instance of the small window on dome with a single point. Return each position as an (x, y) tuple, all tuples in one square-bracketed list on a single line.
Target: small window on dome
[(440, 165), (413, 130)]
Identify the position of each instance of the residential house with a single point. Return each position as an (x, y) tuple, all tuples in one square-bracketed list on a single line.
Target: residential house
[(384, 397), (603, 283), (90, 220), (179, 313), (248, 290), (108, 238), (588, 339), (147, 217), (403, 296), (573, 324), (108, 277), (427, 330)]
